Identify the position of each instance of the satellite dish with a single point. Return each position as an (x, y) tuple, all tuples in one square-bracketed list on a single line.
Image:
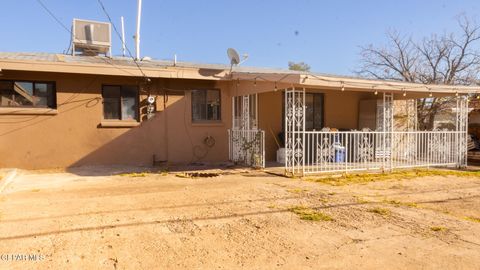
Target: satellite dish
[(233, 56)]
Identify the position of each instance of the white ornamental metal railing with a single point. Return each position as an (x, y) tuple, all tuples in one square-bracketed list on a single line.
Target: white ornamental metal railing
[(247, 147), (377, 150)]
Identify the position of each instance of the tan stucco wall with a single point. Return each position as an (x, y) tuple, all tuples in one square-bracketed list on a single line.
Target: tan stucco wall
[(270, 120), (74, 136), (340, 111)]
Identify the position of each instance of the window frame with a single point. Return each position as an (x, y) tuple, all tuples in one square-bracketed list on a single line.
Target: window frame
[(33, 82), (219, 120), (322, 111), (137, 102), (306, 92)]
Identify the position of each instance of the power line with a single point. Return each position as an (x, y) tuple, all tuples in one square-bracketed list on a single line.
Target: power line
[(53, 16), (56, 19), (73, 37), (120, 36), (71, 40)]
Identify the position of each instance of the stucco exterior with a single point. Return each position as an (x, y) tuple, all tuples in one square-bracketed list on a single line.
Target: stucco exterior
[(73, 136)]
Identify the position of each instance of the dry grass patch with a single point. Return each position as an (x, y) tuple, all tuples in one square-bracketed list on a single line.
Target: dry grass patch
[(399, 203), (361, 200), (197, 175), (297, 190), (438, 229), (145, 173), (474, 219), (306, 213), (364, 178), (380, 211), (323, 200), (135, 174)]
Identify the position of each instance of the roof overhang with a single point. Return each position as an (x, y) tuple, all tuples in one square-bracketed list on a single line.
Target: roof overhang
[(265, 77), (330, 82), (112, 69)]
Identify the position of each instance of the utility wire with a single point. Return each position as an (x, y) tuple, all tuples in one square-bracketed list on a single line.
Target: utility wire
[(140, 69), (120, 37), (56, 19), (42, 4), (72, 39), (53, 16)]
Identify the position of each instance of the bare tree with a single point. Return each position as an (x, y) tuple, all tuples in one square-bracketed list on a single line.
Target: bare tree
[(451, 59)]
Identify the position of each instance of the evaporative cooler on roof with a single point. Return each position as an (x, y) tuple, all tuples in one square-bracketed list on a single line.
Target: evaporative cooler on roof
[(91, 37)]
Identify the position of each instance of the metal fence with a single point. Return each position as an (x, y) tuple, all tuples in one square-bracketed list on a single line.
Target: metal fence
[(377, 150), (247, 147)]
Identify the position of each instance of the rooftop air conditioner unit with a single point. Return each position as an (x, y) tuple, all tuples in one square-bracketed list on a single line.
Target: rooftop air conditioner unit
[(91, 37)]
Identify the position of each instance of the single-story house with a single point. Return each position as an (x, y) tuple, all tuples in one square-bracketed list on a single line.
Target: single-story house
[(61, 110)]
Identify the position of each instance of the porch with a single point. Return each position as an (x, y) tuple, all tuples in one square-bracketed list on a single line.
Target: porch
[(334, 130)]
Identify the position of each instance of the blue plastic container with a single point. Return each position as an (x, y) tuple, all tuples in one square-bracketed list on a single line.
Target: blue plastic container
[(339, 154)]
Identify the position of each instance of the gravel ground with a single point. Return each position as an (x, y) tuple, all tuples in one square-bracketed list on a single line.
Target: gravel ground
[(97, 219)]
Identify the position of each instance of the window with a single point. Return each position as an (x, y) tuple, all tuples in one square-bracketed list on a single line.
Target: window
[(205, 105), (120, 102), (27, 94), (313, 111)]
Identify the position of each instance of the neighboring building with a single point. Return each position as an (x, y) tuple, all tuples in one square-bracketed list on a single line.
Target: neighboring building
[(61, 111)]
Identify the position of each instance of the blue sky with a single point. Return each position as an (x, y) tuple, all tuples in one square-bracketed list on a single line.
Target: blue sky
[(324, 34)]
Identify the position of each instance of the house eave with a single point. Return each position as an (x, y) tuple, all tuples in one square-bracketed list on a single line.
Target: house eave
[(112, 70), (59, 63), (340, 83)]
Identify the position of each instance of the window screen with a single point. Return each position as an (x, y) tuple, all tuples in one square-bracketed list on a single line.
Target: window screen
[(120, 102), (205, 105)]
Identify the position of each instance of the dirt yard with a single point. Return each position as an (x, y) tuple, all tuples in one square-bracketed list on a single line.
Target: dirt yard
[(91, 219)]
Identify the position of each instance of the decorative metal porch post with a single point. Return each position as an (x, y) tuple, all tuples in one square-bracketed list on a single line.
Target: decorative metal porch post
[(412, 115), (294, 131), (386, 126), (245, 122), (408, 143), (462, 130)]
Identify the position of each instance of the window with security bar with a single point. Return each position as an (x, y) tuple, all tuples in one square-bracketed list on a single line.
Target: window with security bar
[(206, 105)]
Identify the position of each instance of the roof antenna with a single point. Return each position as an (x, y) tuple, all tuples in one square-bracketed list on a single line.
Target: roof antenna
[(123, 36), (137, 33)]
